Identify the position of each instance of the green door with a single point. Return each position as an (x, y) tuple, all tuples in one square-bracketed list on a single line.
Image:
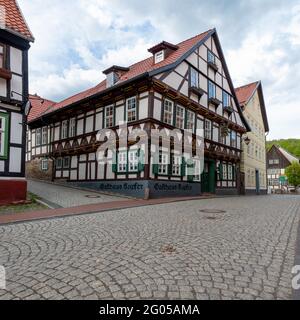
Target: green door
[(208, 178)]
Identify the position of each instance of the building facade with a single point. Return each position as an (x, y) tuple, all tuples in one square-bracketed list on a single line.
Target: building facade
[(185, 87), (15, 38), (278, 159), (253, 165)]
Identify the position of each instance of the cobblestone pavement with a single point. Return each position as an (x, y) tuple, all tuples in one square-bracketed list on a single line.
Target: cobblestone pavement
[(169, 251), (67, 197)]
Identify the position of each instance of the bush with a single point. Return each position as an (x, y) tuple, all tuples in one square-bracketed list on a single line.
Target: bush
[(293, 174)]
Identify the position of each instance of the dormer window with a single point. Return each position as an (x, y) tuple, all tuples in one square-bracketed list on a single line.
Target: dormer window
[(111, 79), (162, 50), (113, 75), (159, 56)]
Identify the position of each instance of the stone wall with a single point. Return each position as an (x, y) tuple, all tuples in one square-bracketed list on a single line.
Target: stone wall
[(34, 169)]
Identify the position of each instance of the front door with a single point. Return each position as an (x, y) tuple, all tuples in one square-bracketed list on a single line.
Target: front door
[(208, 178), (257, 182)]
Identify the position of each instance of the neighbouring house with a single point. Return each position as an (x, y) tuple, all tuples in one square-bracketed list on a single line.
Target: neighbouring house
[(253, 165), (278, 159), (186, 86), (15, 38)]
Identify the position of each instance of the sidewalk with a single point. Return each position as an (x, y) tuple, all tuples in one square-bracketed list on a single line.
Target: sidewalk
[(91, 208)]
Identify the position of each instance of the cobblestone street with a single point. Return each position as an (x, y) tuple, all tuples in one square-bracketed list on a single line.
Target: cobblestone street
[(170, 251)]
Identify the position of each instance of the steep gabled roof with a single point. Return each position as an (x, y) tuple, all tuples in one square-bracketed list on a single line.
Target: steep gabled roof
[(245, 94), (291, 158), (39, 106), (147, 67), (139, 68), (12, 19)]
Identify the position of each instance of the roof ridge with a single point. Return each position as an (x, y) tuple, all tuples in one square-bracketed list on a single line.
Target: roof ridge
[(248, 85)]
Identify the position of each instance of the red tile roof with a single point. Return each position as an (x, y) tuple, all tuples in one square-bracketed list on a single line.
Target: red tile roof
[(136, 69), (12, 19), (39, 106), (244, 93)]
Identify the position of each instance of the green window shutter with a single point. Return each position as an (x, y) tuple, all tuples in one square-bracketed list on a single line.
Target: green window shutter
[(114, 163), (155, 166), (221, 171), (141, 160), (5, 119), (190, 167), (183, 167)]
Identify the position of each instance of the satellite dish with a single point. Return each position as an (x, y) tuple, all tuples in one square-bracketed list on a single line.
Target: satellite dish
[(27, 108)]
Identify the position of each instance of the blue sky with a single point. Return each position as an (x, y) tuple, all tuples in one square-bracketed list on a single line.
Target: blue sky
[(77, 39)]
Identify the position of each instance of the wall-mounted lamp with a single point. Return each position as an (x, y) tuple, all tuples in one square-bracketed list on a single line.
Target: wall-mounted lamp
[(247, 140)]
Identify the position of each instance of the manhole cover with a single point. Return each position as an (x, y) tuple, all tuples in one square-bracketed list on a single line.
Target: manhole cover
[(212, 211), (168, 249), (92, 197)]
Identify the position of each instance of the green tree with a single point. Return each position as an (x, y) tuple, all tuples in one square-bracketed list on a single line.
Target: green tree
[(293, 174)]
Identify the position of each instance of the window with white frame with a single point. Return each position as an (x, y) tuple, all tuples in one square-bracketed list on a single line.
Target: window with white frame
[(224, 171), (211, 57), (38, 136), (194, 78), (159, 56), (72, 127), (207, 129), (64, 129), (176, 165), (163, 163), (230, 172), (58, 163), (168, 111), (131, 109), (3, 134), (44, 135), (44, 164), (233, 139), (133, 160), (211, 90), (66, 162), (190, 120), (122, 161), (276, 161), (109, 116), (180, 117), (197, 170), (226, 99)]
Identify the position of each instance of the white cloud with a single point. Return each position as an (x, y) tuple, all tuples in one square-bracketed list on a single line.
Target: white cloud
[(76, 40)]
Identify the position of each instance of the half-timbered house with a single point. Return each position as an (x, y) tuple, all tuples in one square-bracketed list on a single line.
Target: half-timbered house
[(278, 159), (15, 38), (185, 86)]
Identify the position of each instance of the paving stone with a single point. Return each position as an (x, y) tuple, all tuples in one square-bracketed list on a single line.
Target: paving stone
[(247, 254)]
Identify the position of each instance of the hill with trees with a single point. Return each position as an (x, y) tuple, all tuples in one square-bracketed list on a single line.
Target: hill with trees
[(291, 145)]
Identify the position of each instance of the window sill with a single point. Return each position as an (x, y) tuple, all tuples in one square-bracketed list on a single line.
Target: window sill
[(5, 74), (213, 66), (228, 109), (198, 91), (214, 101)]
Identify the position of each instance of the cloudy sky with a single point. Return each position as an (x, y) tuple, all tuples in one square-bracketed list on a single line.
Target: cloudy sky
[(77, 39)]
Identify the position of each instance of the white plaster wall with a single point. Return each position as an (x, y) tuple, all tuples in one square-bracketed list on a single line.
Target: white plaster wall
[(15, 160), (89, 124), (143, 108), (3, 87), (16, 60), (16, 128), (119, 114), (17, 86)]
